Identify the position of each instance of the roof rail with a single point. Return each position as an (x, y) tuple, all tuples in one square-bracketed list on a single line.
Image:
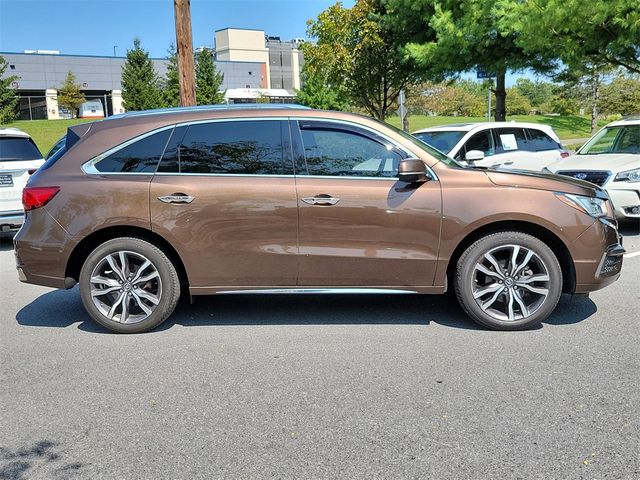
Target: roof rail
[(205, 108)]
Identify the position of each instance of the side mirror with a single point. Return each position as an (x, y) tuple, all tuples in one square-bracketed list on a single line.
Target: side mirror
[(413, 170), (474, 155)]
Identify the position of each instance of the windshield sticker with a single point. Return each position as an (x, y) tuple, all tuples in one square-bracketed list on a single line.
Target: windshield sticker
[(509, 142)]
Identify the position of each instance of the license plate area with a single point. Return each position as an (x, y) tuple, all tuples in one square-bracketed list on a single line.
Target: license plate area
[(6, 180)]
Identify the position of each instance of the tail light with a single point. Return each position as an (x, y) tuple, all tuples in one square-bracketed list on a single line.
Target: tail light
[(36, 197), (564, 154)]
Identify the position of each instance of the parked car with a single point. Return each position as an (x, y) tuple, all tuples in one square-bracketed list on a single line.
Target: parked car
[(513, 145), (91, 109), (19, 157), (143, 206), (610, 159)]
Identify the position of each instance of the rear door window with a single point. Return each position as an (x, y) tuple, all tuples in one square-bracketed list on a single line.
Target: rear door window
[(510, 139), (251, 147), (140, 156), (538, 141), (18, 149)]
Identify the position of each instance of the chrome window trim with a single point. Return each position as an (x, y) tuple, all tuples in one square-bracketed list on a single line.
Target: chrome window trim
[(89, 166)]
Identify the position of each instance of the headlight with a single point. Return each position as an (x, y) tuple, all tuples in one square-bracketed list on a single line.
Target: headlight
[(628, 176), (596, 207)]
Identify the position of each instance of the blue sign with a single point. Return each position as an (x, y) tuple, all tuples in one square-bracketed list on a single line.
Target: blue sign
[(481, 73)]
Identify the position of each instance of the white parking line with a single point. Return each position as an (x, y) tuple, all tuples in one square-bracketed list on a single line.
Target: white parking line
[(632, 254)]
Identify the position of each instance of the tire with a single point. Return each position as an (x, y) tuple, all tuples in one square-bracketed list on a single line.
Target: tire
[(150, 291), (502, 295)]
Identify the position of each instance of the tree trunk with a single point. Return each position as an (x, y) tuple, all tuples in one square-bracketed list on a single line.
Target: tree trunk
[(501, 96), (595, 92)]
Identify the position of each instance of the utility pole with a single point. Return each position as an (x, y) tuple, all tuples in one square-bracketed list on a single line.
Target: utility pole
[(184, 47)]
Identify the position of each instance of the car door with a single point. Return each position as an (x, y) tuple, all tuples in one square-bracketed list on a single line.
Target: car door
[(543, 150), (511, 147), (224, 196), (359, 226)]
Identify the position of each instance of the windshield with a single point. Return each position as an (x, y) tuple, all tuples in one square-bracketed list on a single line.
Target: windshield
[(442, 140), (620, 139), (18, 148)]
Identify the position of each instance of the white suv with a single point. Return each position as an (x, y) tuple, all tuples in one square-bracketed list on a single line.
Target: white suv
[(19, 158), (610, 159), (524, 146)]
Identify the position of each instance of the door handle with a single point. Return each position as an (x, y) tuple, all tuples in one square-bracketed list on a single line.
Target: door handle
[(177, 198), (508, 163), (321, 200)]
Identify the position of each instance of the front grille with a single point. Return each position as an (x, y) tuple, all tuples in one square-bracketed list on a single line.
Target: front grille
[(594, 176)]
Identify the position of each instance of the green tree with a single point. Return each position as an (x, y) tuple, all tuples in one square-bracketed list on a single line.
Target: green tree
[(171, 83), (466, 34), (575, 31), (620, 96), (518, 104), (359, 54), (537, 92), (70, 95), (8, 98), (315, 93), (208, 80), (140, 82)]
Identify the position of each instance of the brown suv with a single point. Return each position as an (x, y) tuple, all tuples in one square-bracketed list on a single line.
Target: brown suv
[(141, 207)]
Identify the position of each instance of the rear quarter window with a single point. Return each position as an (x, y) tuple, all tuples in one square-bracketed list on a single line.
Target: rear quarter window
[(18, 149), (140, 156), (538, 141)]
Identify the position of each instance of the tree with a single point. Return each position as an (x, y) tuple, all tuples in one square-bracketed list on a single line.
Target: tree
[(140, 83), (620, 96), (518, 104), (357, 53), (574, 31), (467, 34), (537, 92), (208, 79), (70, 94), (171, 84), (8, 98), (315, 93)]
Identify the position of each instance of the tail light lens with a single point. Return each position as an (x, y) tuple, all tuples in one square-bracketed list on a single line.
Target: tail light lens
[(36, 197), (564, 154)]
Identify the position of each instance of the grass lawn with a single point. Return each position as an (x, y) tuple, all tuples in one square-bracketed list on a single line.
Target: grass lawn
[(567, 127), (45, 132)]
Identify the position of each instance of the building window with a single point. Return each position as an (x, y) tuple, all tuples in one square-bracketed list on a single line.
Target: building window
[(12, 67)]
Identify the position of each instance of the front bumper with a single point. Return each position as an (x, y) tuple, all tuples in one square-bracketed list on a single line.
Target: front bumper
[(626, 201), (597, 254)]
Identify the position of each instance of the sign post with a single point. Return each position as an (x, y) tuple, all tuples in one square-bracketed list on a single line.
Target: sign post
[(403, 112), (482, 74)]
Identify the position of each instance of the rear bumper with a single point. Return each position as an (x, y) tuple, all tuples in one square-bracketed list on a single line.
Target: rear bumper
[(11, 220), (600, 259)]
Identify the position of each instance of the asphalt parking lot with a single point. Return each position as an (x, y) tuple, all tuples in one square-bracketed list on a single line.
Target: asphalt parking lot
[(320, 387)]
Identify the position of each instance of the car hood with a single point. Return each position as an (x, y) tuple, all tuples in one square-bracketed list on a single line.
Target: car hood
[(541, 181), (614, 162)]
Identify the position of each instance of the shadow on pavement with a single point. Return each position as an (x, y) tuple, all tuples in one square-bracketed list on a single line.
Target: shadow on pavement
[(20, 463), (6, 242), (62, 308)]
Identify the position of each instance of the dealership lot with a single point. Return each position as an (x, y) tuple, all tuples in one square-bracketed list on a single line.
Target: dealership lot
[(346, 386)]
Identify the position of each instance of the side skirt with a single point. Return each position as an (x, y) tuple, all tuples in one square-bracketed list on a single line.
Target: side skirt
[(431, 290)]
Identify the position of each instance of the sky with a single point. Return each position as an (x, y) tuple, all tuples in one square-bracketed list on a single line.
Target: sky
[(93, 27)]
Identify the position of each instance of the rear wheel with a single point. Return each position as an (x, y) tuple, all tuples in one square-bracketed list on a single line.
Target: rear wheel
[(508, 281), (129, 285)]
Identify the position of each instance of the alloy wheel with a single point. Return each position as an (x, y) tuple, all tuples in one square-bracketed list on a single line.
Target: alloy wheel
[(125, 287), (510, 282)]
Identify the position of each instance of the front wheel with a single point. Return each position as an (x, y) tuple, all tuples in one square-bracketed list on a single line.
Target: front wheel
[(129, 285), (508, 281)]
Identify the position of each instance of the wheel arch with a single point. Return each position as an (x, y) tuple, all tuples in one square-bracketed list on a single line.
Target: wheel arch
[(557, 246), (93, 240)]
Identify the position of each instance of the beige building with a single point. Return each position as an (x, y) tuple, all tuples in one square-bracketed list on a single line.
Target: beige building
[(281, 61)]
